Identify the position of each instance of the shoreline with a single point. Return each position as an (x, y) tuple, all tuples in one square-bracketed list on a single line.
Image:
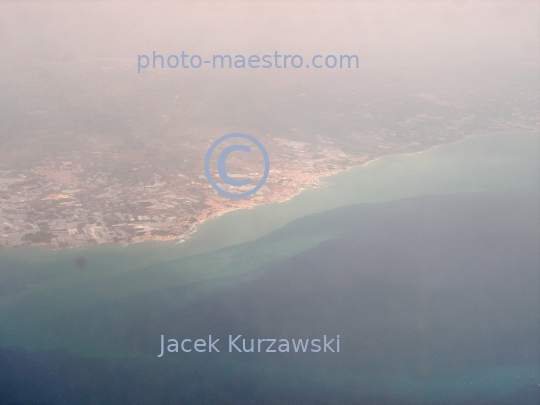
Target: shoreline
[(315, 182)]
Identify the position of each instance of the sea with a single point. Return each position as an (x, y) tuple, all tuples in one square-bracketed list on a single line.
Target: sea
[(87, 331)]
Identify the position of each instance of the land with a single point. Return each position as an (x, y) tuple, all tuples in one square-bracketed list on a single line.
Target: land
[(92, 158)]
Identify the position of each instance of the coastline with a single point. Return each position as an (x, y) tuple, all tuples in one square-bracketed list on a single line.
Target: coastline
[(182, 238), (315, 182)]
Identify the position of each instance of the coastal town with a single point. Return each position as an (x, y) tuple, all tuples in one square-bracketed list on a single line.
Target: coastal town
[(81, 164), (65, 204)]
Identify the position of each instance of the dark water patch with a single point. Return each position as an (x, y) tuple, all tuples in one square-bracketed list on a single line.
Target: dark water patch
[(80, 261)]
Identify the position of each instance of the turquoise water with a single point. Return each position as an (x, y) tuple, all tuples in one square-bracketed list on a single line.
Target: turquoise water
[(498, 162)]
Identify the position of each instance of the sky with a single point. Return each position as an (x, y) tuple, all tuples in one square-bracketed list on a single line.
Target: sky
[(417, 32)]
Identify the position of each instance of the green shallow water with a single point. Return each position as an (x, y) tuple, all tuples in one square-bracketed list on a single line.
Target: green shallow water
[(45, 279)]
